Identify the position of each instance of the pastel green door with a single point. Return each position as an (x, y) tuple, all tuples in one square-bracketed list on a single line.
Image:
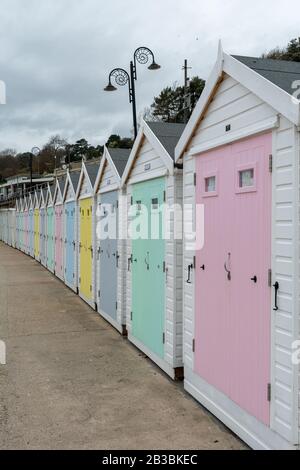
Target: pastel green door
[(148, 266)]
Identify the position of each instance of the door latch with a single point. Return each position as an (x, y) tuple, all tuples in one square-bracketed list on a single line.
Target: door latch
[(276, 287), (227, 268), (190, 267)]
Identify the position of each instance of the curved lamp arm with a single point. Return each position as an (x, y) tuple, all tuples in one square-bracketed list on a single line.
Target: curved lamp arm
[(142, 56), (121, 78)]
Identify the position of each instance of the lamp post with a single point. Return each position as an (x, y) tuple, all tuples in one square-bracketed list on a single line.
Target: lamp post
[(121, 77)]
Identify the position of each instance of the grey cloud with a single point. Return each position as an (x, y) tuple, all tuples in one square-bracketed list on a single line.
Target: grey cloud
[(55, 56)]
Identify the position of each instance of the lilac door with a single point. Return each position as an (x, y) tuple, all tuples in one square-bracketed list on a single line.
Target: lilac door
[(58, 241), (233, 296)]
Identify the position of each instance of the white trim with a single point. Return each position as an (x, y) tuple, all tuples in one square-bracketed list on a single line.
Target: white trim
[(84, 174), (106, 158), (249, 429), (161, 363), (296, 368), (110, 320), (145, 131), (90, 302), (257, 128), (155, 174), (270, 93), (66, 188), (201, 105)]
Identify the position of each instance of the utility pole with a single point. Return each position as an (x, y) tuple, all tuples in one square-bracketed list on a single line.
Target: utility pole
[(185, 68)]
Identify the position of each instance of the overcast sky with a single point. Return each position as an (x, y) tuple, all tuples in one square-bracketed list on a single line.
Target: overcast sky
[(55, 56)]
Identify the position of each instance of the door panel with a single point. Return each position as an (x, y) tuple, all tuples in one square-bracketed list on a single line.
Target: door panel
[(108, 259), (232, 321), (50, 238), (148, 278), (36, 234), (70, 242), (86, 253), (58, 241)]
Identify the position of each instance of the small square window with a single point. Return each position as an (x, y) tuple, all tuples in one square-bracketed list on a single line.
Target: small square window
[(139, 205), (210, 184), (246, 178), (154, 203)]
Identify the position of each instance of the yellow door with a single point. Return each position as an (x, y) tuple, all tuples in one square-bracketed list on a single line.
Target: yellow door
[(36, 234), (86, 251)]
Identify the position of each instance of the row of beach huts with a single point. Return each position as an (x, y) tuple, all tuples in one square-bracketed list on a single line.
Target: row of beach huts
[(220, 309)]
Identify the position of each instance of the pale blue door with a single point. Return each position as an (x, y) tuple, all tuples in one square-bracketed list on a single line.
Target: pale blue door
[(70, 243), (109, 256)]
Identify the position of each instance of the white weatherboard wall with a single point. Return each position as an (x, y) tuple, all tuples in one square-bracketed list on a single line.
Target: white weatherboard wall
[(71, 197), (173, 313), (234, 104), (110, 181), (86, 191)]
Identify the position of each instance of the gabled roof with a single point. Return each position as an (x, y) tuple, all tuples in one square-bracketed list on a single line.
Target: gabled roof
[(73, 180), (37, 195), (25, 203), (89, 171), (265, 78), (59, 187), (30, 200), (282, 73), (117, 159), (163, 137), (168, 134), (92, 171)]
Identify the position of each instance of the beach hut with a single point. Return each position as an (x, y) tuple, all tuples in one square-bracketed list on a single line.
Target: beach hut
[(18, 223), (31, 224), (70, 230), (50, 235), (36, 216), (43, 225), (110, 245), (58, 227), (4, 225), (154, 272), (21, 225), (240, 152), (25, 245), (86, 232)]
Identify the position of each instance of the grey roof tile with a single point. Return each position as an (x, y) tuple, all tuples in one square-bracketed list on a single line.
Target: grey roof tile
[(280, 72), (168, 134)]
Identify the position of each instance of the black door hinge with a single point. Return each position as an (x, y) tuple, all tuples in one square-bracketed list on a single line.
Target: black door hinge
[(164, 196), (195, 179), (193, 346), (99, 293), (270, 163), (270, 277), (116, 305), (269, 392), (131, 316), (164, 338)]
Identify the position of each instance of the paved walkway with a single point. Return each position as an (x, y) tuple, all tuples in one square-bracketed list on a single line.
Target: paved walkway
[(72, 382)]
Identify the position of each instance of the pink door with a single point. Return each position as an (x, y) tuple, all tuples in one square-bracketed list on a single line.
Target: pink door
[(233, 296), (58, 241)]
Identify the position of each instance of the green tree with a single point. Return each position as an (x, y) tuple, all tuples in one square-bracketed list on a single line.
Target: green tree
[(115, 141), (290, 52), (169, 105)]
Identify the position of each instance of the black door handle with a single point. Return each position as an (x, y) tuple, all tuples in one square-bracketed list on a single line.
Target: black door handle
[(276, 287), (254, 279), (190, 267), (202, 267), (129, 261)]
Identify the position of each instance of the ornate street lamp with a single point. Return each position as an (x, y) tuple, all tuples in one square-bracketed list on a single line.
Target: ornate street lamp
[(121, 77)]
